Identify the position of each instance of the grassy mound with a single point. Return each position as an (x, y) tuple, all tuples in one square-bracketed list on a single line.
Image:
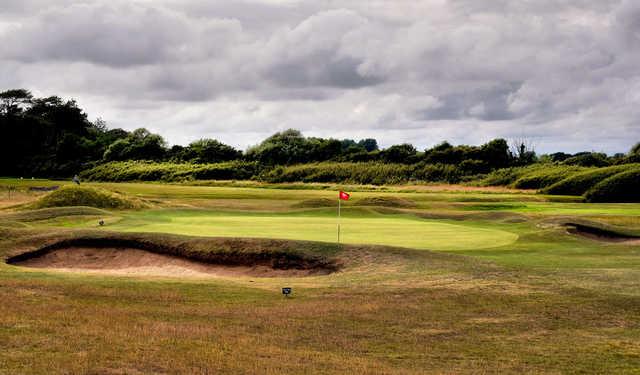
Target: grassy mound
[(580, 183), (386, 202), (87, 196), (622, 187), (543, 177), (534, 176)]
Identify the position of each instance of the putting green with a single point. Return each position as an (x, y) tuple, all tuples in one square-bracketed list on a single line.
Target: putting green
[(404, 231)]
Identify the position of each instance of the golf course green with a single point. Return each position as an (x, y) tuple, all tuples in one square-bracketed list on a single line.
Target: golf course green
[(361, 227)]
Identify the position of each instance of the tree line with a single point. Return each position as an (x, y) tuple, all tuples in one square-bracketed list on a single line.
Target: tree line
[(52, 137)]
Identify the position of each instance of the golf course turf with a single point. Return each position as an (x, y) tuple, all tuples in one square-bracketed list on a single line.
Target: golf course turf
[(441, 281)]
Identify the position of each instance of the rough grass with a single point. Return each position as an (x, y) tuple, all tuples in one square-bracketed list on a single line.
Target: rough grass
[(622, 187), (386, 201), (316, 203), (580, 183), (544, 176), (53, 213), (87, 196), (534, 176)]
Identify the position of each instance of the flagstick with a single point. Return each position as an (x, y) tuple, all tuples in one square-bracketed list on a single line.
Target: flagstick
[(339, 218)]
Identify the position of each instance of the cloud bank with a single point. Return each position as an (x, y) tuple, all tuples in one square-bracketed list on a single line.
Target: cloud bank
[(562, 74)]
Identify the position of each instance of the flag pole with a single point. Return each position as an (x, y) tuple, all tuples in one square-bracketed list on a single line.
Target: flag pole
[(339, 204)]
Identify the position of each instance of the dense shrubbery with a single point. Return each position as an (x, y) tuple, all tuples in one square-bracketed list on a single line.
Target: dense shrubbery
[(375, 173), (354, 173), (149, 171), (621, 187), (48, 136), (579, 183)]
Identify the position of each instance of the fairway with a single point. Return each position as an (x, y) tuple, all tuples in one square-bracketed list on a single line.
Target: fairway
[(397, 230)]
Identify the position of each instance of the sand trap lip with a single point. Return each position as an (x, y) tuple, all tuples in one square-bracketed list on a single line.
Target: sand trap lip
[(602, 235), (136, 262)]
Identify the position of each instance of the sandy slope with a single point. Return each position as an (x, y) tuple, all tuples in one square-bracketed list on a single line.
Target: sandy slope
[(127, 261)]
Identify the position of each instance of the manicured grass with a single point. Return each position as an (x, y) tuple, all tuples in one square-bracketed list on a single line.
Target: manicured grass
[(361, 227)]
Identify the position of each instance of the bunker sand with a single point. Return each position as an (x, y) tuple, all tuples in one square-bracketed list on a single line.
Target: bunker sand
[(601, 235), (136, 262)]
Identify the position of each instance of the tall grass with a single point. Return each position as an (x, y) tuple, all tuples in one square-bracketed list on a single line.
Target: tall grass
[(534, 176), (580, 183), (622, 187)]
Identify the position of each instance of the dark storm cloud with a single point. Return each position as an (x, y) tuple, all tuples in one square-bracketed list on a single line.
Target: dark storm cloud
[(417, 71)]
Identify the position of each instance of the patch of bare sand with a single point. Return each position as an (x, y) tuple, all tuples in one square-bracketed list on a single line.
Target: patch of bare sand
[(135, 262)]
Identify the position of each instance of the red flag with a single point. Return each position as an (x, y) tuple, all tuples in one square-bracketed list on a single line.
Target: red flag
[(344, 196)]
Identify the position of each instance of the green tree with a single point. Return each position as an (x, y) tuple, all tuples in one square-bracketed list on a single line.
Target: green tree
[(140, 144), (282, 148), (212, 151), (399, 153), (12, 101), (369, 144)]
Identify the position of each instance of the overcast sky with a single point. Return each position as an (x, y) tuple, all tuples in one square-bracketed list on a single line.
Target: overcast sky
[(564, 74)]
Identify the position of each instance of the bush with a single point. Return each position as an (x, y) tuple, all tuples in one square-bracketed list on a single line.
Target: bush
[(622, 187), (356, 173), (170, 172), (87, 196), (588, 159), (580, 183), (502, 177), (438, 173)]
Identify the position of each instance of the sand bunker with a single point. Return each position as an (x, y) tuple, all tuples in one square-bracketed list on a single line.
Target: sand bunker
[(136, 262), (602, 235)]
